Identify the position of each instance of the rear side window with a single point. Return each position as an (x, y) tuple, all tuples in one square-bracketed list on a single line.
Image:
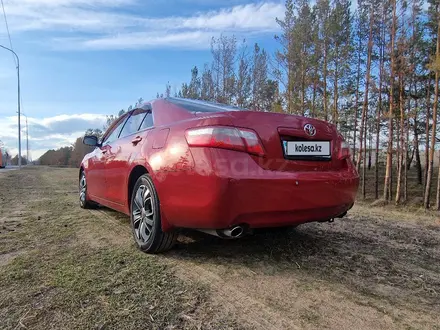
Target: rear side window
[(148, 121), (133, 123), (197, 106)]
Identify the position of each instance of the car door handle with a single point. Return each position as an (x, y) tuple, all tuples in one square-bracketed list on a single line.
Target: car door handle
[(136, 140)]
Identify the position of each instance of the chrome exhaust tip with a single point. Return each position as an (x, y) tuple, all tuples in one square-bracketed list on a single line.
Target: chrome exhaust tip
[(234, 232), (229, 233)]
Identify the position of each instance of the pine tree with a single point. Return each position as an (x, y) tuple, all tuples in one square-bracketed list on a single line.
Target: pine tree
[(435, 67), (283, 71), (340, 36), (363, 128), (207, 92), (259, 77), (323, 14), (194, 85), (388, 170), (244, 79)]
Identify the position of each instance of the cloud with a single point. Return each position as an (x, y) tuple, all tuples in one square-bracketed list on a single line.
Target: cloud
[(48, 133), (108, 24), (181, 40)]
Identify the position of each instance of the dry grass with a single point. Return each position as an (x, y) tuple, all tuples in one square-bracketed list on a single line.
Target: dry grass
[(67, 268), (54, 276)]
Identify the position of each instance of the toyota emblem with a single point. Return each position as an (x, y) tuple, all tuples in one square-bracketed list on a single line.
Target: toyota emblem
[(310, 129)]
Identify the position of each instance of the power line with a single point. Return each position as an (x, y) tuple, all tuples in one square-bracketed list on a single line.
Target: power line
[(7, 30)]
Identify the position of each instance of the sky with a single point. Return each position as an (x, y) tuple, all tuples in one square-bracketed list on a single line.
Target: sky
[(81, 60)]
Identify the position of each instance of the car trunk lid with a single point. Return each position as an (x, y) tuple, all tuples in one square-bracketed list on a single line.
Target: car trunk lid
[(276, 130)]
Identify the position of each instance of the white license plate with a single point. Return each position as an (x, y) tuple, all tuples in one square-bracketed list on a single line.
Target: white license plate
[(307, 148)]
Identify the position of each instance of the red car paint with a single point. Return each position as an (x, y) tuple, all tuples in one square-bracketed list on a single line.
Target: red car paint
[(216, 188)]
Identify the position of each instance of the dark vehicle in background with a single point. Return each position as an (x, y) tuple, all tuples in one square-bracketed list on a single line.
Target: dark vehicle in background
[(177, 163)]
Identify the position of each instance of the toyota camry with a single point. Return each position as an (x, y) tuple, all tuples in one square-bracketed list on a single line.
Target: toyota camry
[(178, 163)]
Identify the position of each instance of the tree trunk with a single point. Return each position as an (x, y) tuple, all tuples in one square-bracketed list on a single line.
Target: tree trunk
[(405, 152), (370, 137), (363, 130), (335, 99), (416, 141), (324, 78), (356, 102), (378, 113), (401, 149), (428, 114), (434, 126), (303, 83), (315, 83), (437, 197), (390, 186), (388, 170)]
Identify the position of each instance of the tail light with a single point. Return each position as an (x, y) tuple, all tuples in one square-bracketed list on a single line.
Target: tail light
[(232, 138), (344, 150)]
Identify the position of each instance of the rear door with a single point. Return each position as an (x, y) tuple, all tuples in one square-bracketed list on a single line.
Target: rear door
[(123, 152), (96, 179)]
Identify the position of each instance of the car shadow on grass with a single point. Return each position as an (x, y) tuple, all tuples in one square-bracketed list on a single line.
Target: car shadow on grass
[(378, 259), (384, 259)]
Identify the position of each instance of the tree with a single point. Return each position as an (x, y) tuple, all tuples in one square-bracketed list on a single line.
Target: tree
[(244, 79), (323, 12), (207, 92), (381, 43), (363, 128), (435, 67), (359, 51), (402, 149), (283, 70), (340, 53), (271, 98), (14, 160), (387, 185), (168, 90), (224, 51), (259, 77), (193, 89)]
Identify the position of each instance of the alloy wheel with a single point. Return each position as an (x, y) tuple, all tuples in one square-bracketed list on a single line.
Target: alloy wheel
[(82, 189), (143, 214)]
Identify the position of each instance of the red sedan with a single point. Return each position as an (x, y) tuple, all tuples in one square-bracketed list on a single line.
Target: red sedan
[(178, 163)]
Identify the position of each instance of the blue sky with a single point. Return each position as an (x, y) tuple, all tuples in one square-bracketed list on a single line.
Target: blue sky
[(83, 59)]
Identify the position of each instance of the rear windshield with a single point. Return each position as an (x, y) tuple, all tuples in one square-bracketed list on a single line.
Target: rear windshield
[(196, 106)]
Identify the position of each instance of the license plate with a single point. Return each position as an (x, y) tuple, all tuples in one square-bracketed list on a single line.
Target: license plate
[(307, 148)]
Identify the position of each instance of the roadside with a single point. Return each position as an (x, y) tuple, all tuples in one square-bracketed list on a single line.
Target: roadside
[(61, 266), (7, 169)]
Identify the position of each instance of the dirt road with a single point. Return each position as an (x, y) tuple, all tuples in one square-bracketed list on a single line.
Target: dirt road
[(60, 265)]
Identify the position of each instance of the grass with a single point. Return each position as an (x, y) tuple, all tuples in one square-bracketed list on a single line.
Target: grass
[(92, 288), (65, 271), (66, 268)]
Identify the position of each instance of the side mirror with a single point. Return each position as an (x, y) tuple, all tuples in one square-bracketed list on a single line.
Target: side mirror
[(91, 140)]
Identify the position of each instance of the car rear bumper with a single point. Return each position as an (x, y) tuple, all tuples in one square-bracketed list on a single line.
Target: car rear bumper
[(217, 198)]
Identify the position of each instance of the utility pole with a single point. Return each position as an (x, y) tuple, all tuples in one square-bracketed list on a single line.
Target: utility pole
[(27, 138), (18, 103), (27, 141)]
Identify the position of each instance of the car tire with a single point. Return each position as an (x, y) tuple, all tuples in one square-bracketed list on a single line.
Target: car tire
[(83, 201), (145, 219)]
